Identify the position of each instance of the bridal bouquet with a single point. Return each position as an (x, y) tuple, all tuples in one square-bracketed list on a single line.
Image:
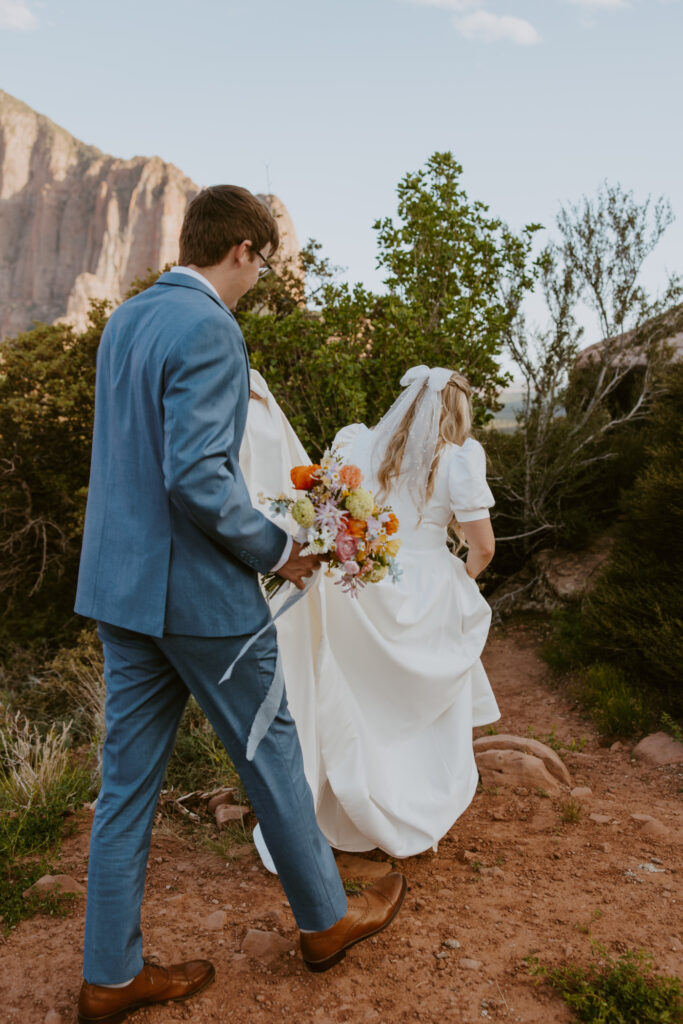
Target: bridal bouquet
[(340, 520)]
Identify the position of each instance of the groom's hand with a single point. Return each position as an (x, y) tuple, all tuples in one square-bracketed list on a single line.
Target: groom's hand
[(298, 568)]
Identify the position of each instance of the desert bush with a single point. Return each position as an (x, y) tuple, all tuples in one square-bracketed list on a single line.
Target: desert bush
[(622, 991), (628, 632), (578, 441)]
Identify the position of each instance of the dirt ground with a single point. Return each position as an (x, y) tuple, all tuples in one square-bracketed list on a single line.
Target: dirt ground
[(512, 878)]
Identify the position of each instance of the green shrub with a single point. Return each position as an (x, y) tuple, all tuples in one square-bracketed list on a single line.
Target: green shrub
[(618, 707), (622, 991), (630, 627), (15, 878)]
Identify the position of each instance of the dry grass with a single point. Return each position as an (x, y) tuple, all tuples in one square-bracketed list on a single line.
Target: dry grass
[(32, 765)]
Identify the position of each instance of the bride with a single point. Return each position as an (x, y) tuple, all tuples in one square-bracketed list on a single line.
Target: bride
[(386, 689)]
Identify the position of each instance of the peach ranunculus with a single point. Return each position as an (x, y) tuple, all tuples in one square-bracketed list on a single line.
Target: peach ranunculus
[(304, 477), (391, 525), (357, 528), (351, 476)]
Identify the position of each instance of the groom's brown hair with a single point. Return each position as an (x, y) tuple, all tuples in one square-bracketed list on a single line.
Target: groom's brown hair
[(220, 217)]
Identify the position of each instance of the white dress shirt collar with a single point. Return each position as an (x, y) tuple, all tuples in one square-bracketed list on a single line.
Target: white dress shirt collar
[(195, 273)]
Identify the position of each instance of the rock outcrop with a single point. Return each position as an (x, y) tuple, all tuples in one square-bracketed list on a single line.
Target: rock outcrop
[(77, 224), (551, 579)]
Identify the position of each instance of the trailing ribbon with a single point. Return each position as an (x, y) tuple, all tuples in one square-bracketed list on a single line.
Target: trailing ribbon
[(264, 717)]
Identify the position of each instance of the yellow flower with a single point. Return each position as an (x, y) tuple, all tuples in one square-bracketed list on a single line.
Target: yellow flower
[(392, 547), (377, 574), (360, 503), (303, 512)]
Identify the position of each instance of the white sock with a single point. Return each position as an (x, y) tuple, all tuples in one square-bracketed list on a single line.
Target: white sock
[(121, 984)]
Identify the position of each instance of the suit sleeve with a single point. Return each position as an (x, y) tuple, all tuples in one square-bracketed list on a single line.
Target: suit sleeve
[(204, 374)]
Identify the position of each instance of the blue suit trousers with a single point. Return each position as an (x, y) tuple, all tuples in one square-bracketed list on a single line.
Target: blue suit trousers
[(149, 680)]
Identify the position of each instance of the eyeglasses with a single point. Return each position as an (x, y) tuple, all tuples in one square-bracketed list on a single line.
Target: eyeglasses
[(266, 268)]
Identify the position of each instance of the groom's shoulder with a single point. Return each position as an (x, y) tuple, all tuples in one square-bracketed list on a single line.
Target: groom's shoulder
[(171, 312)]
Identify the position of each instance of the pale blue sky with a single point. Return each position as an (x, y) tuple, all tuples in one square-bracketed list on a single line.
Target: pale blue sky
[(539, 99)]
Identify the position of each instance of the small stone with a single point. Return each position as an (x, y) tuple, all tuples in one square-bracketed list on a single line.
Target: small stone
[(52, 1017), (655, 829), (514, 768), (260, 998), (351, 866), (658, 749), (215, 922), (451, 944), (59, 884), (230, 812), (176, 901), (603, 847), (498, 815), (441, 956), (495, 872), (676, 944), (265, 946), (616, 746), (580, 791), (467, 856), (650, 868), (469, 965), (524, 744), (226, 796), (600, 819)]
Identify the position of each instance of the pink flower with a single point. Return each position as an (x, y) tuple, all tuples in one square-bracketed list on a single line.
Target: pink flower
[(351, 568), (346, 546)]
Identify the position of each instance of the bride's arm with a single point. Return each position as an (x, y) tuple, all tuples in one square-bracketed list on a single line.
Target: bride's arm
[(481, 545)]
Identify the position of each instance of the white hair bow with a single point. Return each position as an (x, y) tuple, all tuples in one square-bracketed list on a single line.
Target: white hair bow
[(437, 377)]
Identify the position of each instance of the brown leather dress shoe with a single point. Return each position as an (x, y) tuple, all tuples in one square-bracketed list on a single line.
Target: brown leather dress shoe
[(368, 912), (98, 1004)]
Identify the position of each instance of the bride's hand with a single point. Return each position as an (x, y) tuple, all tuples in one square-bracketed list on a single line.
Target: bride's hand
[(298, 568)]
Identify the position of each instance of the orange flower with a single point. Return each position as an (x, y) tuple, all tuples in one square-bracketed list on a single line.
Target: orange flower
[(304, 477), (391, 525), (351, 476), (357, 528)]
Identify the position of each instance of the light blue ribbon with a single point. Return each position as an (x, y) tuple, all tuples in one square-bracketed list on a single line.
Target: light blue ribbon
[(268, 709)]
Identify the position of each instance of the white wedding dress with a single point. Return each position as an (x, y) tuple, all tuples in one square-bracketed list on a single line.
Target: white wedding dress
[(386, 688)]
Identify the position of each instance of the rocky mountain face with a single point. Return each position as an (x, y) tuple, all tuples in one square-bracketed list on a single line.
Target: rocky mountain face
[(77, 224)]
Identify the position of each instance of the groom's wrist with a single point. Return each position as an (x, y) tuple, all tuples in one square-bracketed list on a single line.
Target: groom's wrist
[(286, 552)]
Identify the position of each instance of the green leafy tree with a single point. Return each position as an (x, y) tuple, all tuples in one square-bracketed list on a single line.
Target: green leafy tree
[(455, 277)]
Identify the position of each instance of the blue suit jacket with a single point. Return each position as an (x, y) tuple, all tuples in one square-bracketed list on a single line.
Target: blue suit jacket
[(171, 541)]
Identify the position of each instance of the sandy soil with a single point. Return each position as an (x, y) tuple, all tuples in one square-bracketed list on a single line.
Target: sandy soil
[(512, 878)]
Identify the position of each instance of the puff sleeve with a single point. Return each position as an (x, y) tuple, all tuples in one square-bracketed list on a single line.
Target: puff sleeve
[(347, 435), (470, 496)]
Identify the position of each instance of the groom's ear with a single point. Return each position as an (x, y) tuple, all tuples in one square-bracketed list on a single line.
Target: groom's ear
[(244, 251)]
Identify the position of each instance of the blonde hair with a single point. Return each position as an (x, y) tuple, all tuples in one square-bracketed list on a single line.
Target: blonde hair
[(455, 426)]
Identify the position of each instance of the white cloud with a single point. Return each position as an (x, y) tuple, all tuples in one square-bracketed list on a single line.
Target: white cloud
[(449, 5), (491, 27), (613, 4), (16, 14)]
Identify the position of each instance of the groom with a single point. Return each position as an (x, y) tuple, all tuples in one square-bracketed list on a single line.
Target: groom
[(171, 551)]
